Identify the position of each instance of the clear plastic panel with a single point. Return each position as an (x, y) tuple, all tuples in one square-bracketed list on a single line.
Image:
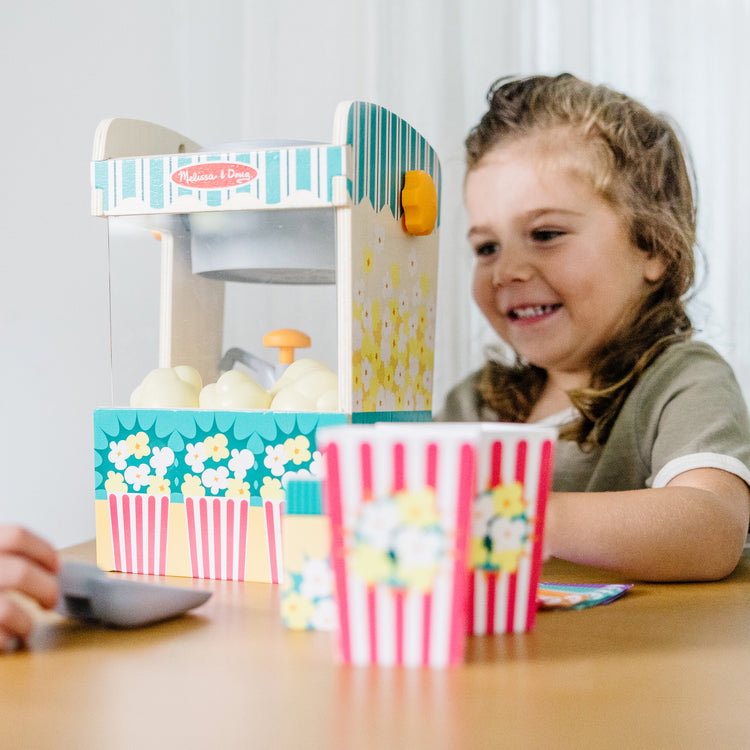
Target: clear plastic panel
[(164, 314)]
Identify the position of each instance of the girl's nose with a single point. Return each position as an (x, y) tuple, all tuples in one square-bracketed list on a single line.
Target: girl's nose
[(510, 265)]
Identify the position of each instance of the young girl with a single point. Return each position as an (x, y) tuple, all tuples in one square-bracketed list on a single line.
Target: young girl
[(582, 221)]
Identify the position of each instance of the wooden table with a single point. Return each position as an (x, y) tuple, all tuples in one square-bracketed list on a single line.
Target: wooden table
[(667, 666)]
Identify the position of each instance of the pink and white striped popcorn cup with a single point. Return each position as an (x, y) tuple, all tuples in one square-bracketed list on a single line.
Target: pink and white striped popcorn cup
[(399, 498), (507, 526), (217, 537), (139, 523)]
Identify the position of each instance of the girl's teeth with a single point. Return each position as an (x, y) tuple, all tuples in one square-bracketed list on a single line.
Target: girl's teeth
[(531, 312)]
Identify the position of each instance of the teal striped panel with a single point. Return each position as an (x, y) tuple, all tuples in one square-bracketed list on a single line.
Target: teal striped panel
[(303, 179), (303, 498), (385, 147), (371, 417), (335, 167), (156, 182), (393, 195), (101, 181), (128, 178), (281, 173), (273, 177)]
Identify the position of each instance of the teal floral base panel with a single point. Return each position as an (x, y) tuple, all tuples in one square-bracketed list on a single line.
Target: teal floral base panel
[(184, 452)]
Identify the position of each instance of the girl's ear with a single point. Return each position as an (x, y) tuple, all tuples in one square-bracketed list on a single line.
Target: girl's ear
[(654, 267)]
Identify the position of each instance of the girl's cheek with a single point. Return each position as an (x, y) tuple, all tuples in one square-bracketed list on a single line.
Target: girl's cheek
[(479, 283)]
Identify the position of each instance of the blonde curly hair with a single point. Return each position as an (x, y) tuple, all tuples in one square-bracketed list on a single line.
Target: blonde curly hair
[(637, 163)]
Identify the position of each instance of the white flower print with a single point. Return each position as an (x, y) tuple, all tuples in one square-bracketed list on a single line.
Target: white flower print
[(118, 454), (418, 547), (215, 480), (195, 456), (275, 459), (325, 616), (240, 462), (137, 476), (161, 460), (507, 533), (317, 579), (377, 522)]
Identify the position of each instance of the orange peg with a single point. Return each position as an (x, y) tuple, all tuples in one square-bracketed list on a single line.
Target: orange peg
[(420, 203), (287, 340)]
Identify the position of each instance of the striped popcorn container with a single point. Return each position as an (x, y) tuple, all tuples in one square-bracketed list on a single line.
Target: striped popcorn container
[(272, 512), (139, 524), (507, 525), (217, 537), (399, 499)]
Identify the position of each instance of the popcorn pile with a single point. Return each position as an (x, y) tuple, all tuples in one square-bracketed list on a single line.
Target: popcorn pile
[(306, 385)]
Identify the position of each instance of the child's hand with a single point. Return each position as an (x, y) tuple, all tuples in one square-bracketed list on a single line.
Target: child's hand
[(28, 566)]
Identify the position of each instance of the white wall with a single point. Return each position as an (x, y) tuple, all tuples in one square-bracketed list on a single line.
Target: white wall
[(227, 70), (216, 72), (182, 64)]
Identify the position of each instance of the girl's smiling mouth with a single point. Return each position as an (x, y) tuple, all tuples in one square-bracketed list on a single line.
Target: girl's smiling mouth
[(532, 312)]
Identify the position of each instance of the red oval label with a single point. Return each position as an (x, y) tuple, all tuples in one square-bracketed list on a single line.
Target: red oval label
[(214, 175)]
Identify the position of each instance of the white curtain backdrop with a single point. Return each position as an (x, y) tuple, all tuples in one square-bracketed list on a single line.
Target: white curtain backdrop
[(688, 58), (228, 70)]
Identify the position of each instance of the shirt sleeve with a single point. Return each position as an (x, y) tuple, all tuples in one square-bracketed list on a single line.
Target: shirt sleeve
[(700, 419)]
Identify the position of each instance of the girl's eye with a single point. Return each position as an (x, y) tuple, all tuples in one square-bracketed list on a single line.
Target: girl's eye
[(546, 235), (486, 249)]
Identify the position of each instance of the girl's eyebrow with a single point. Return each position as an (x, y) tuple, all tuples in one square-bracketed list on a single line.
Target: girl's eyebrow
[(540, 212), (478, 231), (532, 215)]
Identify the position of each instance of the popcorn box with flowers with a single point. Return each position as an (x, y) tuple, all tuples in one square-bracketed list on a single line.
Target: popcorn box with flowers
[(307, 597), (199, 493), (507, 525), (399, 500)]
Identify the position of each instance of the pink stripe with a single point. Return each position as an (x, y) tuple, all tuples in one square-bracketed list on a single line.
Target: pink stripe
[(203, 510), (399, 602), (163, 527), (189, 507), (151, 543), (432, 465), (496, 464), (426, 628), (491, 579), (333, 494), (229, 558), (280, 556), (365, 458), (372, 624), (521, 461), (511, 611), (545, 481), (115, 527), (399, 471), (243, 539), (470, 600), (216, 503), (466, 490), (271, 542), (127, 533), (139, 533)]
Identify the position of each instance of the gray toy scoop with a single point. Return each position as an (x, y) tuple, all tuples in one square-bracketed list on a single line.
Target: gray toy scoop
[(88, 593)]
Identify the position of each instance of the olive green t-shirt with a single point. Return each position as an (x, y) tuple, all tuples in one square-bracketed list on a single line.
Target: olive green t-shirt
[(685, 412)]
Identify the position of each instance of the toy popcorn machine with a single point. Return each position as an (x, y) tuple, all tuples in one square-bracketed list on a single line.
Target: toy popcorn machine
[(193, 457)]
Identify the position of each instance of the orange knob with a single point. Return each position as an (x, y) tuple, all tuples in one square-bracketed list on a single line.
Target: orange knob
[(420, 203), (287, 340)]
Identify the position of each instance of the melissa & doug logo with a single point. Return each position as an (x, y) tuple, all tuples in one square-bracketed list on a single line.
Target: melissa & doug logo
[(215, 175)]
